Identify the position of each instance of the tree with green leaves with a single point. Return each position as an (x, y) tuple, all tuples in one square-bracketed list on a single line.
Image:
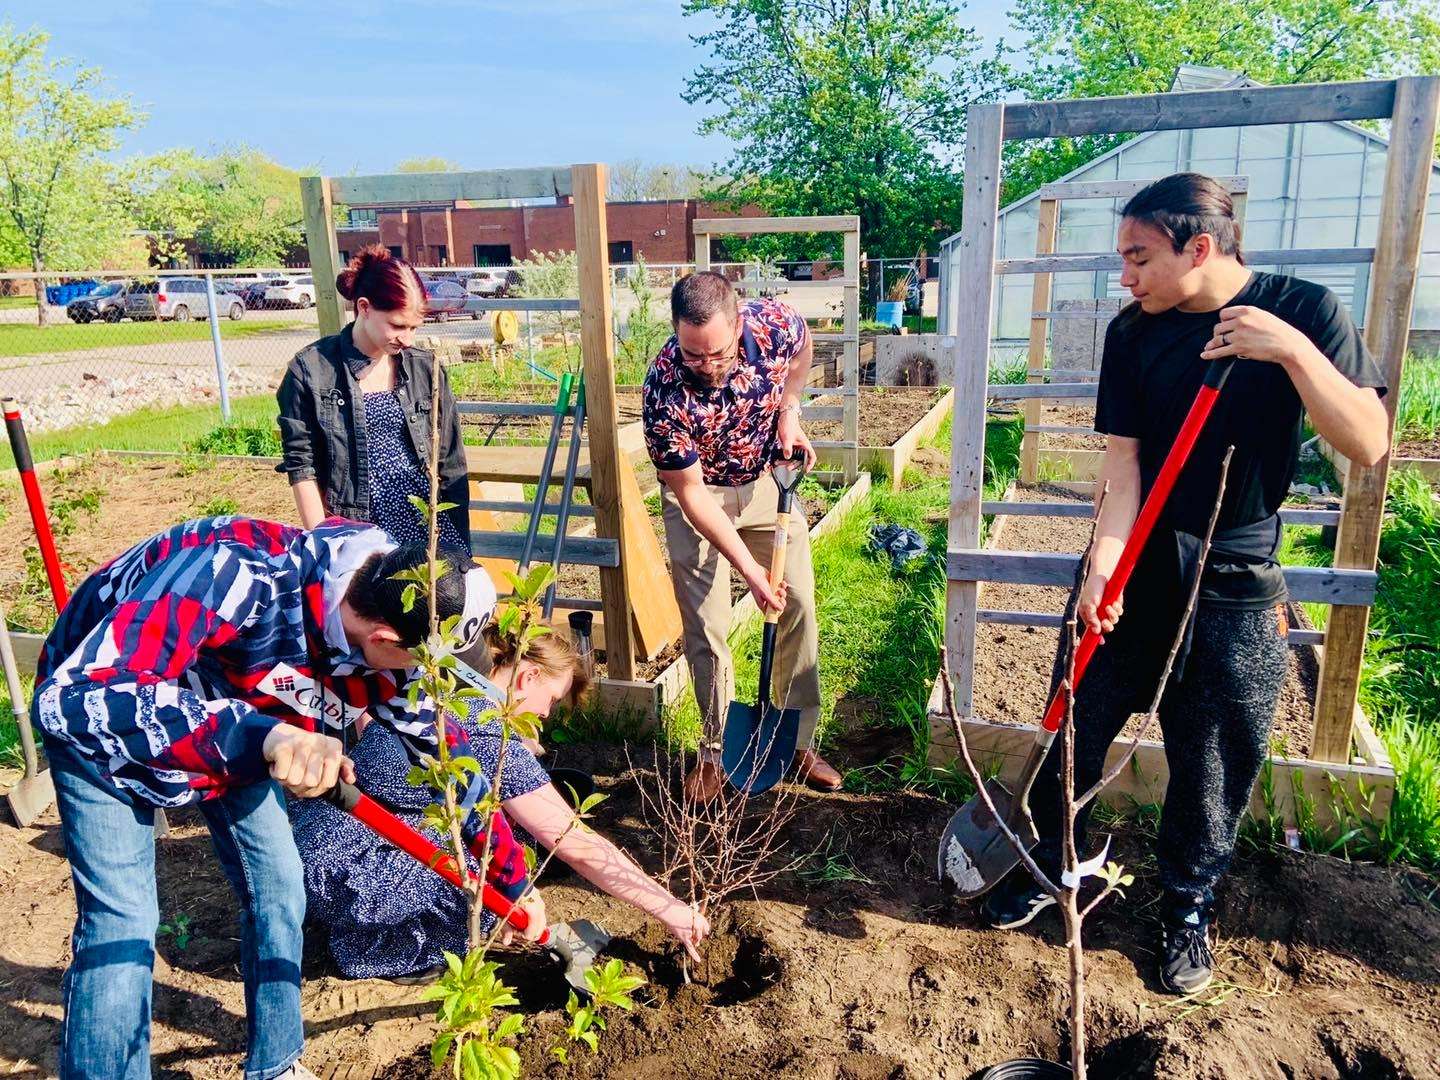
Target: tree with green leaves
[(60, 197), (238, 206), (843, 106), (1098, 48), (427, 164)]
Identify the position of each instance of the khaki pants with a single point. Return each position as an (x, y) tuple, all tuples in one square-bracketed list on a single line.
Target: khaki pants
[(701, 576)]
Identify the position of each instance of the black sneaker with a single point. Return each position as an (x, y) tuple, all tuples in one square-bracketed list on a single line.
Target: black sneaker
[(1015, 901), (1186, 962)]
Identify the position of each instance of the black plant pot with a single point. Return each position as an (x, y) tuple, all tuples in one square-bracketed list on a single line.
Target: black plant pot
[(581, 781), (1027, 1069)]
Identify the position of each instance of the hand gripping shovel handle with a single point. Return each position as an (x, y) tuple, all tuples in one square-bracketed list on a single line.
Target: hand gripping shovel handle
[(385, 824), (1175, 460)]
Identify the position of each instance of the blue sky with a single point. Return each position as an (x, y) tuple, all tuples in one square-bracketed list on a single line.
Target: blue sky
[(362, 85)]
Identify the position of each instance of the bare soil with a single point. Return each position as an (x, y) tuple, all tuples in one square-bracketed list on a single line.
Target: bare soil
[(1420, 448), (886, 413), (1013, 662), (1327, 969), (105, 503), (1070, 416)]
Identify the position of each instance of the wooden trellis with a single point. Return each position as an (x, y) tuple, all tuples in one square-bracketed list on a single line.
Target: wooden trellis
[(849, 225), (1411, 105)]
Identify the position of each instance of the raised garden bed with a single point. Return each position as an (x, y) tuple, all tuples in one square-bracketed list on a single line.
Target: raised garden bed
[(894, 421), (1012, 684)]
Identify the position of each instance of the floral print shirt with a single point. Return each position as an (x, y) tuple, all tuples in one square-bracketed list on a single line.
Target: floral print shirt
[(729, 429)]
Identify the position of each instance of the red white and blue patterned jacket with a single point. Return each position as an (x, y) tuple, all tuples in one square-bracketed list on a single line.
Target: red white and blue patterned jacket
[(171, 663), (729, 429)]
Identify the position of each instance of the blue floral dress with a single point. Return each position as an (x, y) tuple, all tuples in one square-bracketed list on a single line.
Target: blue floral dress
[(387, 914), (396, 473)]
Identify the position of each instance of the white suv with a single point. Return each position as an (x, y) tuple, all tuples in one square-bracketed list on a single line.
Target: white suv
[(291, 292), (488, 281)]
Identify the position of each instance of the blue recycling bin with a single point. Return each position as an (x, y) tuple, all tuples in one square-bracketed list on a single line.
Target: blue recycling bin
[(891, 313)]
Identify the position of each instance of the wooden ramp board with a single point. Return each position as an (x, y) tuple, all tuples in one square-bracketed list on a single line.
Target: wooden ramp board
[(521, 464)]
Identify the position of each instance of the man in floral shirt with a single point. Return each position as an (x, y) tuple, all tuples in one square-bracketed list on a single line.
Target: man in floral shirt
[(721, 404)]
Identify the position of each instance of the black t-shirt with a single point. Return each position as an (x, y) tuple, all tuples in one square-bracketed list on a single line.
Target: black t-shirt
[(1149, 376)]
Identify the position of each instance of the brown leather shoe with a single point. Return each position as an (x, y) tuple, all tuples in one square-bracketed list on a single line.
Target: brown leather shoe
[(704, 782), (817, 772)]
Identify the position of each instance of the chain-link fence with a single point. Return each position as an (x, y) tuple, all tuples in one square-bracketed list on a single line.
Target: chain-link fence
[(109, 343)]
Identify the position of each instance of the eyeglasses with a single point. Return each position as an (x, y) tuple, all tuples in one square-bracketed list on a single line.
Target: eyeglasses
[(721, 359)]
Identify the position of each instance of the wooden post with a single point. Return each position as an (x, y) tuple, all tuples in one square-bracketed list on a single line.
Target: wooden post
[(319, 213), (976, 268), (1046, 227), (1387, 330), (851, 330), (702, 251), (602, 417)]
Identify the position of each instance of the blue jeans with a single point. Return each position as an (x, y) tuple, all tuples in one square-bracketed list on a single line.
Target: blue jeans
[(111, 847)]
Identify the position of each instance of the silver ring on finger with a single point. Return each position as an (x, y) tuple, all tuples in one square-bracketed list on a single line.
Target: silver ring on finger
[(1225, 339)]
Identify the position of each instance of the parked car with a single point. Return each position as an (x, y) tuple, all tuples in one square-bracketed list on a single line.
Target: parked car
[(254, 294), (444, 299), (180, 299), (291, 292), (490, 281), (106, 301)]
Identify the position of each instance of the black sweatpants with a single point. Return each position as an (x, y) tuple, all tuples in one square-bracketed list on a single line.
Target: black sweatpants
[(1216, 723)]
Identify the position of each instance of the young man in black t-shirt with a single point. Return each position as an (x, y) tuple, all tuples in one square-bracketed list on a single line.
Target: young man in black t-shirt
[(1296, 351)]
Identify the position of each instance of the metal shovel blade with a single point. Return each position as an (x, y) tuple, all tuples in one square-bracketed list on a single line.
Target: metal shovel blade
[(577, 945), (974, 854), (757, 749)]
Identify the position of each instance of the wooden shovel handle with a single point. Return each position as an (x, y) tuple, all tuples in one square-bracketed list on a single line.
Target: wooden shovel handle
[(777, 560)]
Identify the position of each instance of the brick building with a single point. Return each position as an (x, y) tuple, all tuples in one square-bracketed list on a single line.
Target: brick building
[(456, 234)]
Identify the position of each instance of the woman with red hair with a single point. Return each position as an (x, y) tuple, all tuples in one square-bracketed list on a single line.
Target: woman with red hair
[(355, 418)]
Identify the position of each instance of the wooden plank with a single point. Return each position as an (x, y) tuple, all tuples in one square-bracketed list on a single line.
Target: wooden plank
[(1123, 189), (822, 412), (1311, 584), (1288, 515), (1427, 467), (1082, 374), (602, 415), (851, 298), (1238, 107), (1387, 329), (576, 551), (1081, 464), (516, 464), (1046, 225), (1146, 781), (750, 225), (829, 391), (1092, 316), (1023, 391), (1104, 260), (831, 337), (319, 213), (927, 426), (702, 250), (28, 648), (974, 262), (503, 408), (1062, 429), (655, 613), (503, 506), (1051, 621), (544, 182)]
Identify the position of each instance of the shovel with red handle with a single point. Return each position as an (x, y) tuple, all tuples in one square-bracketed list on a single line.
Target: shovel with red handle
[(575, 944), (974, 853)]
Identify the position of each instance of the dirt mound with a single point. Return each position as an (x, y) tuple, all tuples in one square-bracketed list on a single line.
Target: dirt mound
[(855, 966)]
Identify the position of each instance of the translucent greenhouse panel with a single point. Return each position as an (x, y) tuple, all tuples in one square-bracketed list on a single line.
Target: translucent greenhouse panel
[(1149, 158), (1265, 141), (1017, 235), (1327, 138), (1331, 176), (1073, 286), (1217, 144), (1086, 225), (1262, 233), (1212, 166), (1267, 177), (1427, 303), (1324, 232), (1012, 318)]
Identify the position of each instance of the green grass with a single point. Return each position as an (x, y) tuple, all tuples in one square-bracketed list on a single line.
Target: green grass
[(9, 733), (484, 380), (170, 429), (14, 303), (21, 339), (920, 324), (1417, 413)]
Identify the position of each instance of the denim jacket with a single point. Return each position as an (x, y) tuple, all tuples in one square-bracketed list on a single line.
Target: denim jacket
[(322, 426)]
